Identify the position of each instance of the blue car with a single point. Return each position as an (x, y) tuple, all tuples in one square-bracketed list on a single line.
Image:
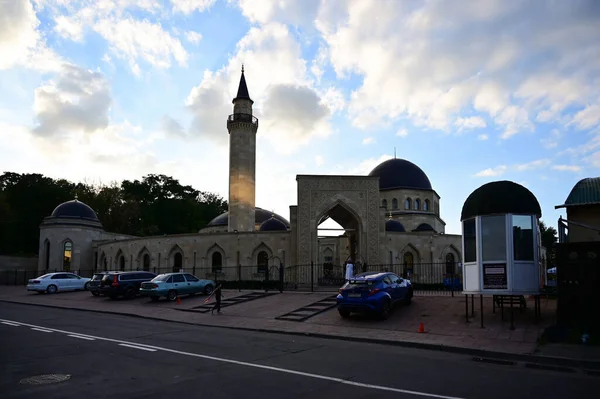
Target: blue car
[(373, 293)]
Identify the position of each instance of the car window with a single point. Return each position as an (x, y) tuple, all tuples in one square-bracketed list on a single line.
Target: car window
[(387, 280), (161, 277), (178, 278), (58, 277), (191, 278), (74, 276)]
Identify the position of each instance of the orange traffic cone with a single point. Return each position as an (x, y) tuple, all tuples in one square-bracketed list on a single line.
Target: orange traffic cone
[(421, 328), (178, 301)]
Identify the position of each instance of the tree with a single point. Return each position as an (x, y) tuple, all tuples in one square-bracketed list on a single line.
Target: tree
[(157, 204), (549, 237)]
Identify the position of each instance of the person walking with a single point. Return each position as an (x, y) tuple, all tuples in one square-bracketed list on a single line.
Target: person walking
[(218, 295), (349, 269)]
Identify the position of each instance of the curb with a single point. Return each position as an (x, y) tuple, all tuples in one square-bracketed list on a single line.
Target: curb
[(562, 362)]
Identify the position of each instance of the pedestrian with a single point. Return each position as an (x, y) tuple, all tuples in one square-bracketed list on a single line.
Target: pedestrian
[(349, 269), (218, 295)]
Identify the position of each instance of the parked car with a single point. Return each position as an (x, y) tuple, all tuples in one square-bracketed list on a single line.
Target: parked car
[(172, 285), (127, 284), (373, 293), (94, 285), (61, 281)]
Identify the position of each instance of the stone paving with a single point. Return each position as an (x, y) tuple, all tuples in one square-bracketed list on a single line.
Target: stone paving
[(443, 317)]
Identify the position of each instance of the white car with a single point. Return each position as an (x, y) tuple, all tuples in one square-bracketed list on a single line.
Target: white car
[(54, 282)]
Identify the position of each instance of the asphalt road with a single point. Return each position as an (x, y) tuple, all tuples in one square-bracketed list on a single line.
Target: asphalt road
[(121, 356)]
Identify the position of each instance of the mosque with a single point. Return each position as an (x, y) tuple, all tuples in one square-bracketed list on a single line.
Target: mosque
[(390, 219)]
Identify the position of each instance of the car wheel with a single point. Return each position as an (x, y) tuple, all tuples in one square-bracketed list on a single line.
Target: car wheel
[(154, 298), (51, 289), (385, 309), (208, 289), (172, 295), (95, 293), (344, 313), (86, 286)]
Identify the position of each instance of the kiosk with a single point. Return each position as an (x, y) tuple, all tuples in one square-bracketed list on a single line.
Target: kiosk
[(502, 245)]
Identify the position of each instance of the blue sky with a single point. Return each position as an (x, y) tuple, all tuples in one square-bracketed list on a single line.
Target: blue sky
[(105, 90)]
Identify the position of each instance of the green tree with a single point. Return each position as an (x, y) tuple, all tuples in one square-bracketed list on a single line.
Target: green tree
[(549, 237)]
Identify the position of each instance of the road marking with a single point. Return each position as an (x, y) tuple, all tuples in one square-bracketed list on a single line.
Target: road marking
[(10, 323), (247, 364), (78, 336), (139, 347), (42, 330)]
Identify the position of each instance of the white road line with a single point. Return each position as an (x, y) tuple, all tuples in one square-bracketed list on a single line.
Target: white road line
[(8, 323), (139, 347), (78, 336), (247, 364), (42, 330)]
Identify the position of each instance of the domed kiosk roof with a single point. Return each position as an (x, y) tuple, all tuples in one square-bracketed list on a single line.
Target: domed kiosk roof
[(500, 197), (260, 216), (74, 209), (273, 225), (400, 173), (394, 226), (585, 192)]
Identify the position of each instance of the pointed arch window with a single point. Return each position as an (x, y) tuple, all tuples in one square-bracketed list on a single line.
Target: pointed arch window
[(146, 262), (217, 262), (417, 204), (177, 262), (122, 263), (450, 263), (394, 204), (407, 204), (67, 255), (384, 203), (409, 260), (426, 205), (262, 262)]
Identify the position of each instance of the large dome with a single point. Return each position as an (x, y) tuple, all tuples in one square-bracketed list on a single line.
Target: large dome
[(399, 173), (260, 216), (74, 210)]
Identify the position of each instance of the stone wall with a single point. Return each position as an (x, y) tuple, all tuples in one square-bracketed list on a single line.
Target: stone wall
[(196, 251), (10, 263)]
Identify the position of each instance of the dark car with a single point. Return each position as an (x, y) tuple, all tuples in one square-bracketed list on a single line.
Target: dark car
[(126, 284), (94, 285)]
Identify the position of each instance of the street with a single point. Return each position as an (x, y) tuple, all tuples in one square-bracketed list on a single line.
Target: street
[(120, 356)]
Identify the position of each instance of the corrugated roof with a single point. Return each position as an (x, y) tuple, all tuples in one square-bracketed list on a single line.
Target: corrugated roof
[(585, 192)]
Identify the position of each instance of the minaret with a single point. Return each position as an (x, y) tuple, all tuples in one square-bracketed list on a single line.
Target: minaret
[(242, 127)]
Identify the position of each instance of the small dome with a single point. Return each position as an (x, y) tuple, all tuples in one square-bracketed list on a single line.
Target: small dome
[(500, 197), (399, 173), (585, 192), (273, 225), (74, 209), (395, 226), (424, 227), (260, 216)]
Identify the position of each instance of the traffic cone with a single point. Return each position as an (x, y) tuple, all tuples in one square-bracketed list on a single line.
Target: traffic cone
[(421, 328), (178, 301)]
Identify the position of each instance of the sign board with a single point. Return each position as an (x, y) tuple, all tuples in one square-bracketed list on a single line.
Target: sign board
[(494, 276)]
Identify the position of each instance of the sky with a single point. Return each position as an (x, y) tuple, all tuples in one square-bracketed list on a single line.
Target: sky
[(471, 92)]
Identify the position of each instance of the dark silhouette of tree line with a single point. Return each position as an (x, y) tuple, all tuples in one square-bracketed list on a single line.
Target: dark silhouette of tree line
[(154, 205)]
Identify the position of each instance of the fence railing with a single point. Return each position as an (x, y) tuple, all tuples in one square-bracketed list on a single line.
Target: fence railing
[(313, 277)]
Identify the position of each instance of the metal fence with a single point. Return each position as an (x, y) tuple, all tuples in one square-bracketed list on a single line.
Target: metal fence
[(310, 277)]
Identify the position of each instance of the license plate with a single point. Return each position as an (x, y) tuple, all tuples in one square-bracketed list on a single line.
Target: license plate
[(354, 295)]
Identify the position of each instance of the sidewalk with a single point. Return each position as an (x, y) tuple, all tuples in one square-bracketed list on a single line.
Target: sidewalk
[(443, 317)]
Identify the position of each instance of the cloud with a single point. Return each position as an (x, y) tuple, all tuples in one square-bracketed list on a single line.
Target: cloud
[(567, 168), (282, 11), (552, 140), (290, 110), (497, 171), (76, 100), (540, 163), (319, 160), (472, 122), (483, 137), (193, 37), (368, 140), (189, 6), (20, 41), (172, 127), (447, 60), (402, 133), (131, 39)]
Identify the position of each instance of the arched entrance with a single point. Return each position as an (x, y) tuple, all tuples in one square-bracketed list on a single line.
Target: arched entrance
[(450, 263), (177, 262), (146, 262)]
